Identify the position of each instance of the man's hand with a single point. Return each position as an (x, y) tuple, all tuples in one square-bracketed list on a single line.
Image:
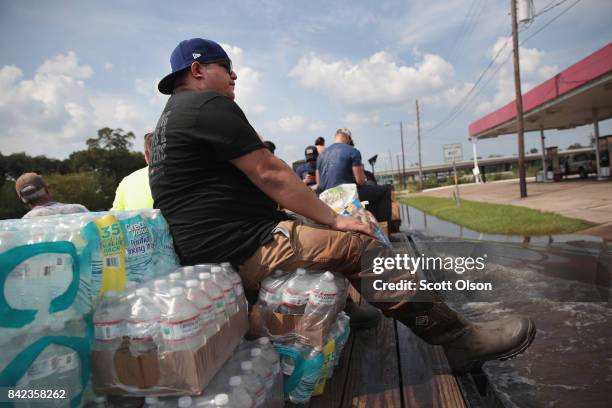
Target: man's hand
[(309, 179), (349, 224)]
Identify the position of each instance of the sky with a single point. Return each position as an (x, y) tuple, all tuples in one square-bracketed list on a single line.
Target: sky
[(305, 69)]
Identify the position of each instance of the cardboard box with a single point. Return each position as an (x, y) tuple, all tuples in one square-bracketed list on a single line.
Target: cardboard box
[(168, 373), (314, 328)]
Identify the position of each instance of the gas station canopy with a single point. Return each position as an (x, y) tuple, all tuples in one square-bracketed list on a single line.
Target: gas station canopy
[(579, 95)]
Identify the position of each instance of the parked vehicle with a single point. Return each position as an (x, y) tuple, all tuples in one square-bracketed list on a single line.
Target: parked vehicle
[(579, 163)]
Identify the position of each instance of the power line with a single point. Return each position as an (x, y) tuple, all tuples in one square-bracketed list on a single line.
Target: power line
[(460, 107)]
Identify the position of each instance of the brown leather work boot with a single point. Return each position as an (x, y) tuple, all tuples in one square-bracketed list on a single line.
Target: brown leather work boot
[(495, 340), (361, 317), (468, 345)]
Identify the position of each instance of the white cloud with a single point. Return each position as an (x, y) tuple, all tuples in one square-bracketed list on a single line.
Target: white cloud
[(534, 71), (378, 80), (357, 119), (317, 126), (293, 123), (248, 83), (53, 113), (108, 66), (52, 108)]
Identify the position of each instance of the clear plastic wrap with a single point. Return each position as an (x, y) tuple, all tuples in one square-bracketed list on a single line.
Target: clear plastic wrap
[(344, 200), (161, 338), (300, 305)]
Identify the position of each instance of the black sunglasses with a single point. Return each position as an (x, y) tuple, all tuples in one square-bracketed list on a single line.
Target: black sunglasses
[(225, 64)]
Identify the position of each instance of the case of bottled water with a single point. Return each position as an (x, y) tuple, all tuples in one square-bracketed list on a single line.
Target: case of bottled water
[(167, 336), (299, 305)]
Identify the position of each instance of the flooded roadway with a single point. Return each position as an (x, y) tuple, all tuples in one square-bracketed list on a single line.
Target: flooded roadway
[(562, 282)]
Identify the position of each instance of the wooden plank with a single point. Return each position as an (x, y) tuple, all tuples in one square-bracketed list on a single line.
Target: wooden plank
[(425, 374), (373, 379)]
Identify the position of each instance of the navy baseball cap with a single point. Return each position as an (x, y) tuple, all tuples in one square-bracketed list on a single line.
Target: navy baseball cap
[(188, 51)]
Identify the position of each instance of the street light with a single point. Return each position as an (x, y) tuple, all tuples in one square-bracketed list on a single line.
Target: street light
[(401, 125)]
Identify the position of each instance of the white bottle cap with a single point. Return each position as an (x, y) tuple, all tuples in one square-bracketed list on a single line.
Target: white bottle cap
[(175, 276), (215, 269), (246, 365), (221, 399), (184, 402), (151, 400), (263, 341), (188, 269), (204, 276), (279, 272), (159, 283), (99, 398), (176, 291), (110, 293), (256, 352), (328, 276), (192, 283), (301, 271), (142, 292), (235, 381)]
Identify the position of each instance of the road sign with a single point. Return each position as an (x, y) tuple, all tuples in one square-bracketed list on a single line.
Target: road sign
[(453, 152)]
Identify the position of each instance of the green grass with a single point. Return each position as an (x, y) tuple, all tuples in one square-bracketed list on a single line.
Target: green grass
[(497, 218)]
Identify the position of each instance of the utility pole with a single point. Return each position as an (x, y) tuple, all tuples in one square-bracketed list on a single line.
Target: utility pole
[(403, 159), (419, 143), (519, 102)]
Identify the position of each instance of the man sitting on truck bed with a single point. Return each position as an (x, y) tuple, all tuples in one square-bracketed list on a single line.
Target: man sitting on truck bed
[(219, 189)]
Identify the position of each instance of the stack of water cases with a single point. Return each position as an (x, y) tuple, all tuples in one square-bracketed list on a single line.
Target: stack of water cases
[(52, 269), (170, 335), (302, 314)]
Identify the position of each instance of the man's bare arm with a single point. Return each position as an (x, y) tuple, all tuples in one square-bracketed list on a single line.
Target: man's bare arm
[(281, 184), (359, 175)]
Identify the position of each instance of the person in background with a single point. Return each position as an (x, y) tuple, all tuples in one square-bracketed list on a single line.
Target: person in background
[(133, 192), (306, 172), (270, 146), (341, 163), (320, 144), (33, 190)]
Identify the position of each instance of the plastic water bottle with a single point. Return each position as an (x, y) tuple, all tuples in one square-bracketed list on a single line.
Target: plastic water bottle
[(109, 322), (189, 273), (234, 278), (67, 368), (175, 279), (323, 296), (204, 304), (184, 402), (143, 323), (252, 383), (152, 402), (228, 289), (295, 294), (239, 396), (161, 293), (269, 354), (303, 391), (180, 324), (262, 368), (221, 400), (100, 401), (343, 330), (271, 290), (216, 294)]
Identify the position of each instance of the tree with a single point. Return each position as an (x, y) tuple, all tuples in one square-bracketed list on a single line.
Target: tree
[(111, 139), (81, 188), (10, 205), (576, 145), (533, 150)]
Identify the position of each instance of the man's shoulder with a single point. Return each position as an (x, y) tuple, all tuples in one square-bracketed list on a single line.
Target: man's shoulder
[(139, 174), (200, 98)]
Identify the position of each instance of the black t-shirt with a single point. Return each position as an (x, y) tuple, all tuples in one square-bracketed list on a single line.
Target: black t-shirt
[(214, 211)]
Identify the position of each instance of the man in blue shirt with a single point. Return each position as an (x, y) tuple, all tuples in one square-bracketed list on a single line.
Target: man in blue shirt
[(341, 163), (306, 171)]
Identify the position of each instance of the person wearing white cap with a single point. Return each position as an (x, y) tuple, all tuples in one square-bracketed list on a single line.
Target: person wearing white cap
[(33, 191)]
